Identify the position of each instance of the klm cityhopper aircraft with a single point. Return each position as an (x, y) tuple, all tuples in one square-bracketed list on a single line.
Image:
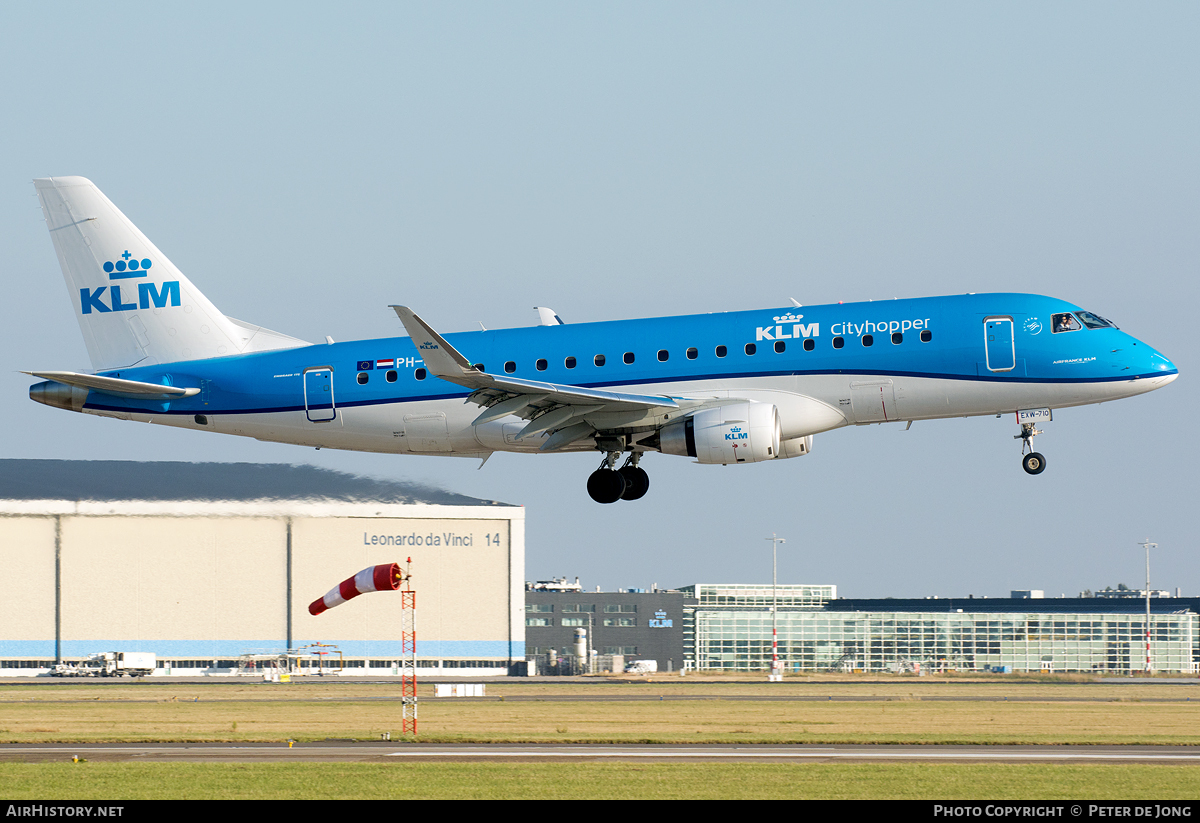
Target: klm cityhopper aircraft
[(726, 388)]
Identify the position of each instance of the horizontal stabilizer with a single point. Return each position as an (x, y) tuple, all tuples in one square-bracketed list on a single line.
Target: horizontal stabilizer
[(114, 385)]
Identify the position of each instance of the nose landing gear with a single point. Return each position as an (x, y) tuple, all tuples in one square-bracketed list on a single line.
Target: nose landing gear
[(1034, 462), (608, 485)]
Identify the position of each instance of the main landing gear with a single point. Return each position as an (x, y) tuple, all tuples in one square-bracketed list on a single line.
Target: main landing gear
[(608, 485), (1034, 462)]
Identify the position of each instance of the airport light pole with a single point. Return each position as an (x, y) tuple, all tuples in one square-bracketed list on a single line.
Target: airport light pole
[(1148, 546), (776, 672)]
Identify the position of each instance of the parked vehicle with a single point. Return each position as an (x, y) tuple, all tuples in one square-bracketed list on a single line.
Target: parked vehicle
[(110, 664)]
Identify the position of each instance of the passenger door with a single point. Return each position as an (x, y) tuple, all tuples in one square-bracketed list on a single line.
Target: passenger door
[(999, 349)]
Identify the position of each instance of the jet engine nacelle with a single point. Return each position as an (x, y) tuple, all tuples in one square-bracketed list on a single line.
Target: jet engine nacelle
[(741, 433), (795, 446)]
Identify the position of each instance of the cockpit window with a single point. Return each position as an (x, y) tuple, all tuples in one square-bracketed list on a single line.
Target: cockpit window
[(1064, 322), (1094, 321)]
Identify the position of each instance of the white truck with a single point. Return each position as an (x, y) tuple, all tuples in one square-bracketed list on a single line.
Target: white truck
[(110, 664)]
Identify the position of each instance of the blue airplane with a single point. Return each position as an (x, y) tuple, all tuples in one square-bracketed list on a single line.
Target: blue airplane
[(725, 388)]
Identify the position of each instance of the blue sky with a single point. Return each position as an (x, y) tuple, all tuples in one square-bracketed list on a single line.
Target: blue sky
[(306, 165)]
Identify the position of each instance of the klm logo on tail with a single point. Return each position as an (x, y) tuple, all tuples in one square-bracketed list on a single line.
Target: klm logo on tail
[(125, 268)]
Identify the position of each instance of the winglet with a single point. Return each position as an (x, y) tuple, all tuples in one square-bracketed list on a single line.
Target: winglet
[(440, 357)]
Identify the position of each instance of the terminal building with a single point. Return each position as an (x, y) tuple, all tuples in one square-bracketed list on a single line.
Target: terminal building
[(1065, 634), (628, 626), (204, 564), (728, 627)]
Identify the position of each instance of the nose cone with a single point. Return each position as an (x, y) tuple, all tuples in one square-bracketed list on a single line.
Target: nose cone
[(1161, 365), (1157, 370)]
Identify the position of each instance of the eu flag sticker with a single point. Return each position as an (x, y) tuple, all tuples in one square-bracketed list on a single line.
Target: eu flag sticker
[(365, 365)]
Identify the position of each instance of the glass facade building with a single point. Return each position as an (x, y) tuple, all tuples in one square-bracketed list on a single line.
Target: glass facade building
[(730, 629)]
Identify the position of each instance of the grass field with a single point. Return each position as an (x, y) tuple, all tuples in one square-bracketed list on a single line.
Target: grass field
[(693, 710), (576, 781)]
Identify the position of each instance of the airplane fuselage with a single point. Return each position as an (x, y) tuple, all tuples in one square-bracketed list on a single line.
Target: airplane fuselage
[(822, 366), (725, 388)]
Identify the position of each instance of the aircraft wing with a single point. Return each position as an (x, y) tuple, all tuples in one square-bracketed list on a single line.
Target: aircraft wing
[(550, 407), (114, 385)]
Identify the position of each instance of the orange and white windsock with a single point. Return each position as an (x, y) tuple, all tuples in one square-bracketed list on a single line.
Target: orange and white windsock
[(385, 578)]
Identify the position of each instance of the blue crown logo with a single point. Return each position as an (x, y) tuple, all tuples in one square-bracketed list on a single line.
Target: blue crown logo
[(126, 267)]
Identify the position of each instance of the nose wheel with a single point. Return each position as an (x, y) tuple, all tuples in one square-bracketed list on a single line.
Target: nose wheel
[(1034, 462), (608, 485)]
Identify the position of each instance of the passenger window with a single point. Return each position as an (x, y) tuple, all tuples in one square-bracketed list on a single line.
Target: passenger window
[(1063, 322), (780, 346), (391, 376), (663, 354), (692, 354), (363, 377), (541, 365), (897, 338), (598, 360), (751, 348), (569, 362), (721, 351), (838, 342), (420, 373), (926, 336), (479, 367), (510, 367), (628, 358), (868, 339), (809, 344)]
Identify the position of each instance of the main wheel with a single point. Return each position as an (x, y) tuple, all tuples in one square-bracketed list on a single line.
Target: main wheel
[(1034, 463), (606, 486), (637, 482)]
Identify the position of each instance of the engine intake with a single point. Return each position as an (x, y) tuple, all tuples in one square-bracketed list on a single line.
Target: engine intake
[(741, 433)]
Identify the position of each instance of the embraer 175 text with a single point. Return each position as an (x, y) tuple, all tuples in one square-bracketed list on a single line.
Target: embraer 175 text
[(727, 388)]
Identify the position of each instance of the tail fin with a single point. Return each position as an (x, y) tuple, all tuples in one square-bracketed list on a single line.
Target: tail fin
[(134, 307)]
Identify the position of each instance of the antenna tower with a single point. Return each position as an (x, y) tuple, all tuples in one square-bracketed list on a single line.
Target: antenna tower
[(408, 653)]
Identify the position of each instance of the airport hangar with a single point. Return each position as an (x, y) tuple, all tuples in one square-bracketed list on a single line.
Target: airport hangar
[(201, 563)]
